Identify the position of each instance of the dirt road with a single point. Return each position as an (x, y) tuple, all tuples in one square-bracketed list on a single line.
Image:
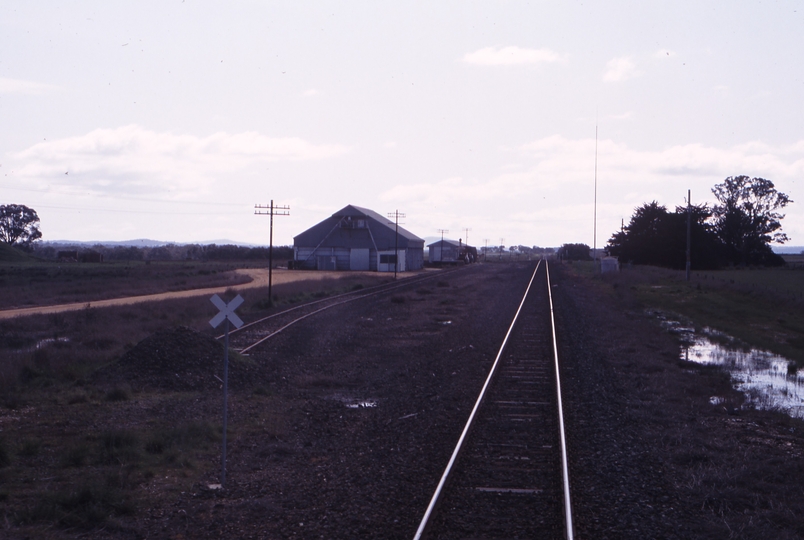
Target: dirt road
[(259, 278)]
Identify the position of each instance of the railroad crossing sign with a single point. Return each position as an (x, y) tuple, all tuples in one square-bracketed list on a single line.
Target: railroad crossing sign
[(226, 311), (226, 314)]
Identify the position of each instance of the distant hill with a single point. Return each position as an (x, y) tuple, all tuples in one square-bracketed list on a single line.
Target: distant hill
[(788, 250), (142, 242)]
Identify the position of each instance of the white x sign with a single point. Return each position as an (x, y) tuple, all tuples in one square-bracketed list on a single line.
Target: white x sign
[(227, 311)]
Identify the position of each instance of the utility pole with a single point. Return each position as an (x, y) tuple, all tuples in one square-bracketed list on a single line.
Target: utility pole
[(502, 245), (485, 249), (689, 234), (272, 211), (396, 214), (441, 250), (466, 236)]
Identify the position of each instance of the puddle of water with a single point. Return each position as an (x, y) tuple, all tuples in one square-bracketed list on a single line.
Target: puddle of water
[(766, 379), (47, 341), (761, 375), (362, 405), (352, 403)]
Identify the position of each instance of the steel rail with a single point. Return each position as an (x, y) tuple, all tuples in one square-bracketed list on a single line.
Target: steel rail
[(299, 319), (454, 457), (415, 279), (564, 467), (408, 281)]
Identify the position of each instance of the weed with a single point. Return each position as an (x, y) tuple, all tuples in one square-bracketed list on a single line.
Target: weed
[(193, 435), (117, 394), (83, 508), (3, 496), (29, 374), (424, 291), (119, 446), (5, 455), (442, 284), (398, 299), (77, 456), (262, 391), (29, 448), (357, 286), (77, 397)]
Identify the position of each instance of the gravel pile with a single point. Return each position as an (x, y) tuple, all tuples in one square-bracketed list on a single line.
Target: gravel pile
[(178, 359)]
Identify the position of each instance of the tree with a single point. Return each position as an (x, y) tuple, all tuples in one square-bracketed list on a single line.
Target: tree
[(574, 252), (658, 237), (747, 219), (19, 225)]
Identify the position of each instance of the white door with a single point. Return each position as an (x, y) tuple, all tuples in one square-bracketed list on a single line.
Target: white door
[(359, 259)]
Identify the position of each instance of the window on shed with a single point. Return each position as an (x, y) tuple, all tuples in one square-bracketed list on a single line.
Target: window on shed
[(353, 223), (387, 259)]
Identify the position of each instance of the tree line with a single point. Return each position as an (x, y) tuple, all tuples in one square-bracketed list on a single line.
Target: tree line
[(737, 230), (170, 252)]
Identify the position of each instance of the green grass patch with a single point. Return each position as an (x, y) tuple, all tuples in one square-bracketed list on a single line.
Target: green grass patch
[(759, 307)]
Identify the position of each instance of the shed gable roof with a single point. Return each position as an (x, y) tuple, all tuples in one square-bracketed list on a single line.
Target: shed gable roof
[(380, 232)]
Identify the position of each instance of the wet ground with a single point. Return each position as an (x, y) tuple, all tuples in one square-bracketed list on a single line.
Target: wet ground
[(767, 381)]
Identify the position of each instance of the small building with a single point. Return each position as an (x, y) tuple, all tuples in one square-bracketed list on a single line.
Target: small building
[(450, 252), (609, 265), (356, 238)]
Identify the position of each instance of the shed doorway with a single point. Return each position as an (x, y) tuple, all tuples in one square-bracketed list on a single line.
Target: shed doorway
[(359, 259)]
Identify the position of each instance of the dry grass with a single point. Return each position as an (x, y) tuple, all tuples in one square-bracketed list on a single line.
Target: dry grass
[(40, 351), (48, 283)]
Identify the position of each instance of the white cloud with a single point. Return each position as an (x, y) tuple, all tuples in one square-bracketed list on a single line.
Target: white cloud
[(549, 200), (134, 160), (17, 86), (509, 56), (620, 69), (624, 116)]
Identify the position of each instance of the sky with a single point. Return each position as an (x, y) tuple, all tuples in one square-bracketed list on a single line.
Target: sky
[(519, 121)]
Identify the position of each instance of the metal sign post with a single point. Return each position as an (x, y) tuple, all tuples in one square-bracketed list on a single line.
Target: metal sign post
[(226, 313)]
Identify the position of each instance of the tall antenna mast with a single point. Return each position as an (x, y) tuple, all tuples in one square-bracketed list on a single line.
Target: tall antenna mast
[(594, 227)]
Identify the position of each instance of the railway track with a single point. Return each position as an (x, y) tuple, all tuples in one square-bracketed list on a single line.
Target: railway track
[(507, 477), (254, 333)]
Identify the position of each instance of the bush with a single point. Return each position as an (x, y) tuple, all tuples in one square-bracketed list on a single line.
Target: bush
[(117, 394), (5, 455), (83, 508), (77, 456), (29, 448), (119, 446)]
